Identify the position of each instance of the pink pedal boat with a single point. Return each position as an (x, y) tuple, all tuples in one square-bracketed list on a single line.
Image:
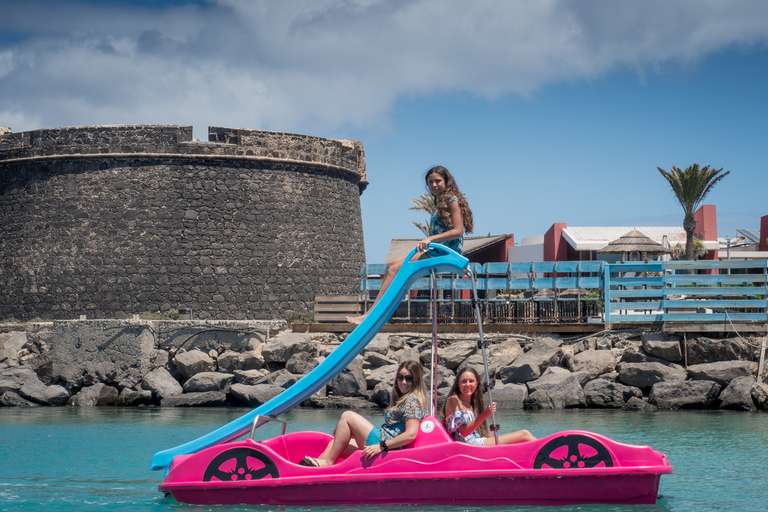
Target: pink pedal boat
[(569, 467)]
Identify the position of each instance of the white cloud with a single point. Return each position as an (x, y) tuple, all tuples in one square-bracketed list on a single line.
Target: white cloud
[(6, 63), (321, 64)]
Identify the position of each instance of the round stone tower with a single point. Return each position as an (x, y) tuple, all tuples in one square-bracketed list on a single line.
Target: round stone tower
[(109, 221)]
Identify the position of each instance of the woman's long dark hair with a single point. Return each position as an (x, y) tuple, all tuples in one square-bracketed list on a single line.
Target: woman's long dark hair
[(418, 388), (475, 401), (451, 190)]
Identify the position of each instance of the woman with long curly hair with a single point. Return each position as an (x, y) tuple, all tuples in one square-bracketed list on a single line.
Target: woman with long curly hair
[(451, 219), (464, 413), (407, 407)]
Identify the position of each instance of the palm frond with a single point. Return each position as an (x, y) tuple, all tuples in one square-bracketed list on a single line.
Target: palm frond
[(425, 203), (424, 228), (692, 185)]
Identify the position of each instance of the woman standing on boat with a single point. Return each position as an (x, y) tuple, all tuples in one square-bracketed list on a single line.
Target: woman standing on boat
[(464, 413), (450, 220), (407, 407)]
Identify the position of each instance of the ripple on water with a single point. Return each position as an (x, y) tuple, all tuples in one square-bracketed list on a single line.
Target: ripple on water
[(90, 459)]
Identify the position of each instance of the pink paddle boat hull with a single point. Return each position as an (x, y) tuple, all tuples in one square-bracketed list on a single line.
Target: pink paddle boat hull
[(569, 467)]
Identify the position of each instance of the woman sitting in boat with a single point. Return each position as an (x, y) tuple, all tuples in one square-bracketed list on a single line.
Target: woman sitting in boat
[(464, 413), (407, 407)]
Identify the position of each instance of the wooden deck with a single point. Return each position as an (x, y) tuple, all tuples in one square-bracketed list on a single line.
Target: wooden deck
[(455, 328)]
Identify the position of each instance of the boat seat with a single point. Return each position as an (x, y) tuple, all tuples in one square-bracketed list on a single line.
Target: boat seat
[(430, 434), (295, 445)]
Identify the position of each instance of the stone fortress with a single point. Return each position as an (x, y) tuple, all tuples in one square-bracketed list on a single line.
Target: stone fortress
[(113, 221)]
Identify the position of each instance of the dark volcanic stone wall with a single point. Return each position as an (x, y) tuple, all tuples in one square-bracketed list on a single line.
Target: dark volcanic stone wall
[(109, 221)]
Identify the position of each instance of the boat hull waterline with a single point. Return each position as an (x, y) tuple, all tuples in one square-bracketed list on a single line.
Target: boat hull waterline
[(570, 467)]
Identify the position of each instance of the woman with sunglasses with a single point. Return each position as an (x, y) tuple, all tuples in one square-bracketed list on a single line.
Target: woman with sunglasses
[(407, 407), (464, 413)]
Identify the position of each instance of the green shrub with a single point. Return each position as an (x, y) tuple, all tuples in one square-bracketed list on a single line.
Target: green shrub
[(596, 293), (297, 317)]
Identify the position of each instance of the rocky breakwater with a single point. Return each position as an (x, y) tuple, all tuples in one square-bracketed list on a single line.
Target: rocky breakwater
[(126, 363), (216, 364)]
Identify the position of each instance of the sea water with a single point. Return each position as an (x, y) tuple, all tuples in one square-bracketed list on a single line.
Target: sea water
[(97, 458)]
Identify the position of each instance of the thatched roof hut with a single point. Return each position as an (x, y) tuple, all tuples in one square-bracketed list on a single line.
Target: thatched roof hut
[(634, 246)]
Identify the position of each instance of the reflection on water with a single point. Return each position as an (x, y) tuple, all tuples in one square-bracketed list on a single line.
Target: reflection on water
[(92, 458)]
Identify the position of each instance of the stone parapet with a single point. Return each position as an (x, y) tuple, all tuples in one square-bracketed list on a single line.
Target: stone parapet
[(90, 140), (154, 140)]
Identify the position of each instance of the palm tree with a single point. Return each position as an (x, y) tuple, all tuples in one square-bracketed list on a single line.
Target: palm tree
[(691, 186), (425, 203)]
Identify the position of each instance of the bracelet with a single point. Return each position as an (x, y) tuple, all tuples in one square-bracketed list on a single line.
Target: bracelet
[(383, 445)]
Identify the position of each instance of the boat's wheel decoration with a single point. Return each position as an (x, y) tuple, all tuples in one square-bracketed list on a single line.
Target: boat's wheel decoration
[(240, 464), (573, 452)]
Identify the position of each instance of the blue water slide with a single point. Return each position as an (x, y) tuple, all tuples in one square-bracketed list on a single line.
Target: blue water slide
[(446, 261)]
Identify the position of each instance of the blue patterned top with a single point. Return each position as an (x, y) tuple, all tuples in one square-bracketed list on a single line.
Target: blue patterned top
[(436, 226), (394, 419)]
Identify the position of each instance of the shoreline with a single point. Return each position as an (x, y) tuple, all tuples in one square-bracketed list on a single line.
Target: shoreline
[(175, 363)]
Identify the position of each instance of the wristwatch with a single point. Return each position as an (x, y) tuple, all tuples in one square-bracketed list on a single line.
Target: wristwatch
[(383, 445)]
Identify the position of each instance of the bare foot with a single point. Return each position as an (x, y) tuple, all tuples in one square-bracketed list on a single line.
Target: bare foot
[(355, 319)]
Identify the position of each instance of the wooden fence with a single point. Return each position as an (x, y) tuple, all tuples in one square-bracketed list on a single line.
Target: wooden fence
[(684, 296), (531, 292), (676, 296)]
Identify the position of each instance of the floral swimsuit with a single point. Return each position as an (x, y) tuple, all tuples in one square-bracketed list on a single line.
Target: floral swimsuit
[(458, 419), (436, 226)]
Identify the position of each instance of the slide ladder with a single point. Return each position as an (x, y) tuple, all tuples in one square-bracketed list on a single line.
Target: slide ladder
[(447, 261)]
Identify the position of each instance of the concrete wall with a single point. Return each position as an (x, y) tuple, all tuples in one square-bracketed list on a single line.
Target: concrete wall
[(109, 221), (530, 249)]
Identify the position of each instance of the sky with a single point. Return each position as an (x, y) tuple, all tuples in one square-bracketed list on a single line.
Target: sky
[(544, 110)]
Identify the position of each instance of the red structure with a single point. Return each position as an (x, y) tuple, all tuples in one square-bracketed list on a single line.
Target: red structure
[(556, 246), (706, 227)]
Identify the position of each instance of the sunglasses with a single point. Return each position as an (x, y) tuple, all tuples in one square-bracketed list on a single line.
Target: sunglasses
[(405, 378)]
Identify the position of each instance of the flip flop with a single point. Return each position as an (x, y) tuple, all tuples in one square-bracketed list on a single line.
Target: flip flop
[(310, 461)]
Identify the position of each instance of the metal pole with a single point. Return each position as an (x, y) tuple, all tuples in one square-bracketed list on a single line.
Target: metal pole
[(433, 384), (482, 344)]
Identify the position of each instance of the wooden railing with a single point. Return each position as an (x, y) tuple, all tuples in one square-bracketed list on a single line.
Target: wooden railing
[(531, 292), (633, 292), (689, 295), (677, 296)]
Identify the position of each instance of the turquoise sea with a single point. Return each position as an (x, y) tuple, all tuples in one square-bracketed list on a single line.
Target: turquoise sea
[(97, 459)]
